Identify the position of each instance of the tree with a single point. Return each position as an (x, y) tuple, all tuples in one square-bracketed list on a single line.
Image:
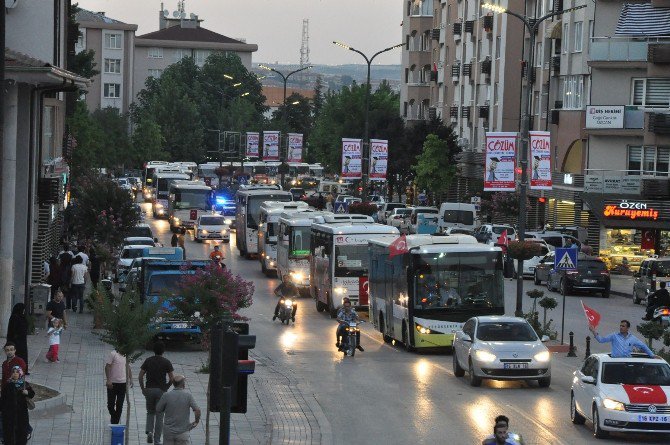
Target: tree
[(89, 138), (317, 102), (298, 115), (115, 146), (435, 166), (147, 142), (125, 329)]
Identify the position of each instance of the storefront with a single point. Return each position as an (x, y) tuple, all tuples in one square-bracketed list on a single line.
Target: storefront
[(630, 230)]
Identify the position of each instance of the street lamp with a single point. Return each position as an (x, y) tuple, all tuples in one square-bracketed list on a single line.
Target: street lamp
[(366, 144), (285, 79), (532, 25)]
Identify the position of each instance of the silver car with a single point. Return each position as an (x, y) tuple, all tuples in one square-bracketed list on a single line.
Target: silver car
[(501, 348)]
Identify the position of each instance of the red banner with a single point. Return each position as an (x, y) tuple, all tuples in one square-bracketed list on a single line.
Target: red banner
[(646, 394), (363, 296), (193, 214)]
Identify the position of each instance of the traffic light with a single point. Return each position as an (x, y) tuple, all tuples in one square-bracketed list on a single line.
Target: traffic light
[(542, 200)]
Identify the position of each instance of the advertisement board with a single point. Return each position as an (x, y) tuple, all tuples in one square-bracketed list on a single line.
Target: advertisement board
[(540, 160), (253, 139), (270, 145), (604, 116), (294, 147), (379, 153), (352, 167), (500, 162)]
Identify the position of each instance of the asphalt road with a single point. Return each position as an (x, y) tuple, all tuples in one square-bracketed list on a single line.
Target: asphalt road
[(388, 396)]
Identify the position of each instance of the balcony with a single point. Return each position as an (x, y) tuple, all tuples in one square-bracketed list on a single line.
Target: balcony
[(484, 112), (469, 26), (420, 58), (648, 184), (455, 70), (623, 52), (658, 52), (556, 65), (486, 66), (458, 27), (487, 23), (453, 112), (659, 123), (467, 69), (465, 112), (617, 120), (435, 34)]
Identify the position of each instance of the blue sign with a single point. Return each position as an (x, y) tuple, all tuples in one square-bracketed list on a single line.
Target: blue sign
[(341, 207), (565, 259), (242, 180)]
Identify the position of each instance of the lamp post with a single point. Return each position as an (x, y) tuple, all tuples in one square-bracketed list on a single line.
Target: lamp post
[(531, 25), (366, 140)]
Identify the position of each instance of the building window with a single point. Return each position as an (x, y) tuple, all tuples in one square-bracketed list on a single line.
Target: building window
[(651, 93), (112, 90), (181, 53), (573, 92), (48, 125), (578, 37), (564, 38), (201, 55), (155, 53), (112, 66), (155, 73), (650, 161), (113, 41), (590, 34), (536, 102), (498, 45), (80, 40)]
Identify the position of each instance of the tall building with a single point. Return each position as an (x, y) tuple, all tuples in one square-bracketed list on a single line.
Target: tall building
[(113, 44), (417, 25), (181, 37)]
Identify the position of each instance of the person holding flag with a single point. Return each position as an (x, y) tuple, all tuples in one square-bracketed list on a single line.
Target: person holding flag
[(623, 341)]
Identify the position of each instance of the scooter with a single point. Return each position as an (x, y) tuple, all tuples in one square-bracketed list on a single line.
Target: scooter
[(350, 338), (662, 316), (285, 310)]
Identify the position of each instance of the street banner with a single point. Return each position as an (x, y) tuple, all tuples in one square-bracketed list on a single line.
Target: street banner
[(540, 157), (379, 153), (500, 162), (294, 147), (252, 145), (270, 145), (351, 159), (592, 316)]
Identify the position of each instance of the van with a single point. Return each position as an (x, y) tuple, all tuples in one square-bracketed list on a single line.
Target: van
[(652, 271), (413, 217), (577, 232), (489, 233), (553, 238), (457, 214)]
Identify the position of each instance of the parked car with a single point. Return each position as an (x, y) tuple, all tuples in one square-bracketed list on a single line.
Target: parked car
[(139, 241), (591, 275), (577, 232), (143, 230), (413, 217), (554, 239), (543, 267), (627, 395), (376, 199), (126, 257), (298, 193), (399, 218), (211, 227), (489, 233), (501, 348), (652, 271), (457, 231), (385, 210), (458, 214), (529, 265)]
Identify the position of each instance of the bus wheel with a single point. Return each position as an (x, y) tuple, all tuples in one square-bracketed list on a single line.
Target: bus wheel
[(320, 307), (405, 338), (331, 307), (382, 329), (263, 268)]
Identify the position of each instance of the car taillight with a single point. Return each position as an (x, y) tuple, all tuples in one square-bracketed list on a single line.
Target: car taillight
[(665, 312), (572, 272), (397, 217), (605, 272)]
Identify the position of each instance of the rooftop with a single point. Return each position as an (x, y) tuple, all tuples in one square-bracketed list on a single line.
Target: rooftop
[(84, 15), (181, 34)]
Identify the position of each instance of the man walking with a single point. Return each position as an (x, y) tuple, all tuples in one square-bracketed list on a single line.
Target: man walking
[(156, 368), (78, 283), (623, 341), (12, 360), (56, 309), (115, 375), (176, 405)]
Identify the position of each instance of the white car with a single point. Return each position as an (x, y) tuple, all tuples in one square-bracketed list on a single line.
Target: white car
[(501, 348), (399, 218), (385, 210), (128, 254), (622, 394), (139, 241), (211, 226)]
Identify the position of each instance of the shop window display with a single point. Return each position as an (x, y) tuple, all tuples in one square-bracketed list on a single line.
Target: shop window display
[(617, 244)]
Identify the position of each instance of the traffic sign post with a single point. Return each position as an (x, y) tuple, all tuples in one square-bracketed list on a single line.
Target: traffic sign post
[(341, 207), (565, 259)]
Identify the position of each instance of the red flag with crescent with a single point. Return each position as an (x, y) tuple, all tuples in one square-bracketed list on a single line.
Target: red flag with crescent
[(592, 316), (648, 239), (398, 247)]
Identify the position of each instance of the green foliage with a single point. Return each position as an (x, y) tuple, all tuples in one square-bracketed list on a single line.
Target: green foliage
[(298, 116), (651, 330), (83, 62), (435, 168), (147, 142), (535, 293), (90, 139)]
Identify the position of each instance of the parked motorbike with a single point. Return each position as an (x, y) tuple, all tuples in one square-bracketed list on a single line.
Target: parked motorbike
[(350, 338), (285, 310), (662, 316)]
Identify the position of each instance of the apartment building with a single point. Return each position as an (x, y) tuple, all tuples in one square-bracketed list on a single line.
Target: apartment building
[(417, 28), (179, 37), (113, 44)]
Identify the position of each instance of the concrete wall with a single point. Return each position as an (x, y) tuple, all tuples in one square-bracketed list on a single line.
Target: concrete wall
[(30, 29), (613, 86), (610, 152), (93, 41)]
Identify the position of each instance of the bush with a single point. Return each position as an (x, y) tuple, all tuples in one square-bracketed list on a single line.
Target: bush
[(523, 250), (363, 208)]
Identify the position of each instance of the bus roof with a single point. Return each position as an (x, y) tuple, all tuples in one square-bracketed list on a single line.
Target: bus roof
[(280, 205), (171, 175), (351, 218), (302, 218), (264, 192), (350, 229), (190, 185), (440, 243), (154, 163)]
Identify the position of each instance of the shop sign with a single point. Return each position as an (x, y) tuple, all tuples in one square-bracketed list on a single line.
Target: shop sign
[(593, 184), (631, 185), (604, 116), (626, 185), (630, 210)]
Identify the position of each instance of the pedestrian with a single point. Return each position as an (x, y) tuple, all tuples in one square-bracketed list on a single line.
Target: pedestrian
[(176, 405), (321, 202), (216, 254), (115, 376), (56, 309), (570, 245), (14, 404), (12, 360), (174, 241), (94, 273), (180, 241), (158, 369), (511, 439), (82, 254), (78, 283), (65, 259), (54, 276), (623, 341), (17, 331), (54, 334), (586, 248)]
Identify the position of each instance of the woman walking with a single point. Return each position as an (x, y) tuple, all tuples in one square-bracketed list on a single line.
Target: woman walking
[(54, 278), (14, 403), (17, 331)]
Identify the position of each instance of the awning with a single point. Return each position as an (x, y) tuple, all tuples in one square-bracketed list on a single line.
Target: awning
[(632, 213), (554, 30), (25, 69), (642, 19)]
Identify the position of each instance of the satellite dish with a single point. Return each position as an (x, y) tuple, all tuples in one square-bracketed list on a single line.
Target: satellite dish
[(193, 16), (166, 13), (175, 14)]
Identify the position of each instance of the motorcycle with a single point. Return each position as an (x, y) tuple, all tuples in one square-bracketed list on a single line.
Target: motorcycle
[(662, 316), (285, 310), (350, 338)]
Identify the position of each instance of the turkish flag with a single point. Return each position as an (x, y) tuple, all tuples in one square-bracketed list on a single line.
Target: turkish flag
[(646, 394), (398, 247), (592, 316), (648, 239), (503, 241), (363, 291)]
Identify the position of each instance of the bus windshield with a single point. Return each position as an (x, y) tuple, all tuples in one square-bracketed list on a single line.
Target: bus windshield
[(351, 261), (299, 242), (254, 207), (191, 199), (272, 232), (465, 217), (458, 281)]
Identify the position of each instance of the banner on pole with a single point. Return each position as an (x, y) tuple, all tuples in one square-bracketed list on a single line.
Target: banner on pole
[(379, 153), (540, 157), (500, 162), (294, 147), (252, 145), (352, 159), (270, 145)]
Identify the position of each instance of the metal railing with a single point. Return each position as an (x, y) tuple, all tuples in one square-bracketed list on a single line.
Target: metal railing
[(622, 49)]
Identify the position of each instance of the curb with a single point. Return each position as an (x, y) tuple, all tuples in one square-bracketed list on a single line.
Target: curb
[(621, 294), (47, 404), (315, 407)]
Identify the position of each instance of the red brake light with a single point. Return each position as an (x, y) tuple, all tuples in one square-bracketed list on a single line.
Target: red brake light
[(665, 312)]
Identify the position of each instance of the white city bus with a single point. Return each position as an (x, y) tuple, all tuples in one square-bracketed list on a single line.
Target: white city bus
[(162, 182), (423, 297), (187, 201), (248, 202), (267, 231), (293, 246), (339, 263)]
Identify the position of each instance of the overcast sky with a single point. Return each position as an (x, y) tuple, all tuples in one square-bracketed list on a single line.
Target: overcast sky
[(276, 25)]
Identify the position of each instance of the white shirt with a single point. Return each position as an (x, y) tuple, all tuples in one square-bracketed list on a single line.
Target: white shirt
[(84, 258), (117, 369), (79, 273), (54, 337)]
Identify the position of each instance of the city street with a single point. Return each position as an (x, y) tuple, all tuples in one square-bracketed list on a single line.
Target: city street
[(387, 395)]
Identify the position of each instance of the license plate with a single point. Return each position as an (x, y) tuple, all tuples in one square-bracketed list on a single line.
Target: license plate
[(590, 281), (515, 366), (653, 419), (179, 325)]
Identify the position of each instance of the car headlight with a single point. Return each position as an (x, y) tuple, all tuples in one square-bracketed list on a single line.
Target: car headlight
[(272, 264), (613, 405), (485, 356), (229, 221), (224, 232), (543, 356), (176, 221), (203, 231), (422, 329), (298, 276), (340, 290), (159, 205)]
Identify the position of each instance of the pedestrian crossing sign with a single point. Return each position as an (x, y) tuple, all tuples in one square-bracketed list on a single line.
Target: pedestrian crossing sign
[(565, 259), (341, 207)]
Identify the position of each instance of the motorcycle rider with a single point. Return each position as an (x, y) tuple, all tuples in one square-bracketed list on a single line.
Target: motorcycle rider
[(657, 299), (286, 289), (345, 315), (502, 436)]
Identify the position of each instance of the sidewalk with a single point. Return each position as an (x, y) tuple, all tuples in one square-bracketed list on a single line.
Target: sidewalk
[(278, 411)]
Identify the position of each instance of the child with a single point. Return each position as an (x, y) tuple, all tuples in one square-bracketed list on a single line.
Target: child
[(54, 340)]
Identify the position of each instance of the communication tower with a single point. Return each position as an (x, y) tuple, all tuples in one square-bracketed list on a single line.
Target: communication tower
[(304, 48)]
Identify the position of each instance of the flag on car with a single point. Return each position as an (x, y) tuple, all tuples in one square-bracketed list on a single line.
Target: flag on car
[(503, 241), (592, 316), (398, 247)]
